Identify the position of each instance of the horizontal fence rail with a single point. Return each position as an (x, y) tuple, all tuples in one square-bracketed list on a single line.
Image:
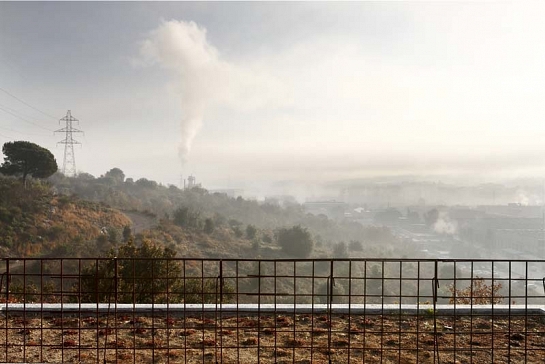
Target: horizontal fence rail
[(131, 310)]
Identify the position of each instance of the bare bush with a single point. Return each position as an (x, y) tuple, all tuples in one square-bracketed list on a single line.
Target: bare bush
[(477, 293)]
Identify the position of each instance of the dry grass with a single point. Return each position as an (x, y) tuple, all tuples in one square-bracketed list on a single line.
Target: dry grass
[(268, 339)]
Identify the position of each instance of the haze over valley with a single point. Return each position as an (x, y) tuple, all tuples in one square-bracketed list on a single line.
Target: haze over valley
[(381, 129)]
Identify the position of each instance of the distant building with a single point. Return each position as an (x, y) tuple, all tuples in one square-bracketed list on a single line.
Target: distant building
[(332, 209), (191, 183)]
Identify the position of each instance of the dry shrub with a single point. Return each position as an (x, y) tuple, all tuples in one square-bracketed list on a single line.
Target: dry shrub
[(342, 342), (354, 330), (69, 342), (284, 321), (139, 331), (187, 332), (21, 321), (367, 322), (477, 293), (82, 357), (281, 352), (117, 343), (90, 321), (174, 353), (250, 341), (104, 332), (328, 351), (208, 342), (319, 331), (295, 343), (154, 343), (124, 356)]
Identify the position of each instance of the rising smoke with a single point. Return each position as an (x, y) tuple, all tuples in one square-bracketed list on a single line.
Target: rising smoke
[(444, 224), (182, 47)]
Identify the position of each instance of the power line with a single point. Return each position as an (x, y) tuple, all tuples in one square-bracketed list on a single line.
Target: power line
[(18, 113), (32, 107), (24, 133), (24, 119)]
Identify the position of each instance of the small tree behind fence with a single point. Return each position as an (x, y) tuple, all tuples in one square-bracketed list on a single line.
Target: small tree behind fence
[(146, 274), (477, 293)]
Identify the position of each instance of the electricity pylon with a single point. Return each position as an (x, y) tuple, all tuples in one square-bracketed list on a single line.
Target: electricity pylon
[(69, 162)]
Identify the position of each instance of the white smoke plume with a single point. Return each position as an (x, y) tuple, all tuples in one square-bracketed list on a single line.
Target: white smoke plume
[(182, 47), (444, 224)]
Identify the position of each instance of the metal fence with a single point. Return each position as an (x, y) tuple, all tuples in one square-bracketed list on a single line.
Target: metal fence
[(272, 311)]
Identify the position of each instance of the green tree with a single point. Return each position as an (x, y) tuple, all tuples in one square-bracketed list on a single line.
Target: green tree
[(208, 226), (251, 232), (340, 250), (113, 235), (127, 233), (25, 158), (295, 241), (355, 246), (238, 231), (187, 218), (116, 174), (145, 274)]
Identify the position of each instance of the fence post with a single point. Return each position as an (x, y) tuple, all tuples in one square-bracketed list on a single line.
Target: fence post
[(219, 282), (330, 285), (115, 281), (435, 287)]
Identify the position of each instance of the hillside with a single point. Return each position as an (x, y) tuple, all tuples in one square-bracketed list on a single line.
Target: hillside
[(82, 216), (227, 213), (35, 221)]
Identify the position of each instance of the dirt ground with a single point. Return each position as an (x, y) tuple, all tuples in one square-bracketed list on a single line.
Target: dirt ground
[(140, 221), (301, 338)]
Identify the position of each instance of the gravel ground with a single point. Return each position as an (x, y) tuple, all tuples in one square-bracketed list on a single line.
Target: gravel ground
[(301, 338)]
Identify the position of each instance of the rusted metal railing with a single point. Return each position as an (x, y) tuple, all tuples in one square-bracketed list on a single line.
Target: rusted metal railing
[(269, 311)]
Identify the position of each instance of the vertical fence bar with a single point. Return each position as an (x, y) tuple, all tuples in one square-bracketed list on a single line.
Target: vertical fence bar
[(493, 315), (218, 303), (349, 309), (417, 310), (330, 285), (382, 279), (435, 287), (364, 344), (526, 311), (259, 312), (471, 313), (7, 276)]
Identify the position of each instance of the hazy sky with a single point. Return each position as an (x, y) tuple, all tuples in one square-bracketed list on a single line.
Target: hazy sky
[(280, 91)]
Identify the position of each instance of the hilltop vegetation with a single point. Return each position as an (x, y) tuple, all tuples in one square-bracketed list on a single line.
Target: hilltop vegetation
[(216, 218), (83, 215), (34, 221)]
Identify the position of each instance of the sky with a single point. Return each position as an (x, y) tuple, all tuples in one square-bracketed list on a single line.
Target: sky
[(242, 93)]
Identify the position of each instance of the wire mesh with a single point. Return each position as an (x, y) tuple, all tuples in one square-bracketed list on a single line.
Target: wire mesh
[(269, 311)]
